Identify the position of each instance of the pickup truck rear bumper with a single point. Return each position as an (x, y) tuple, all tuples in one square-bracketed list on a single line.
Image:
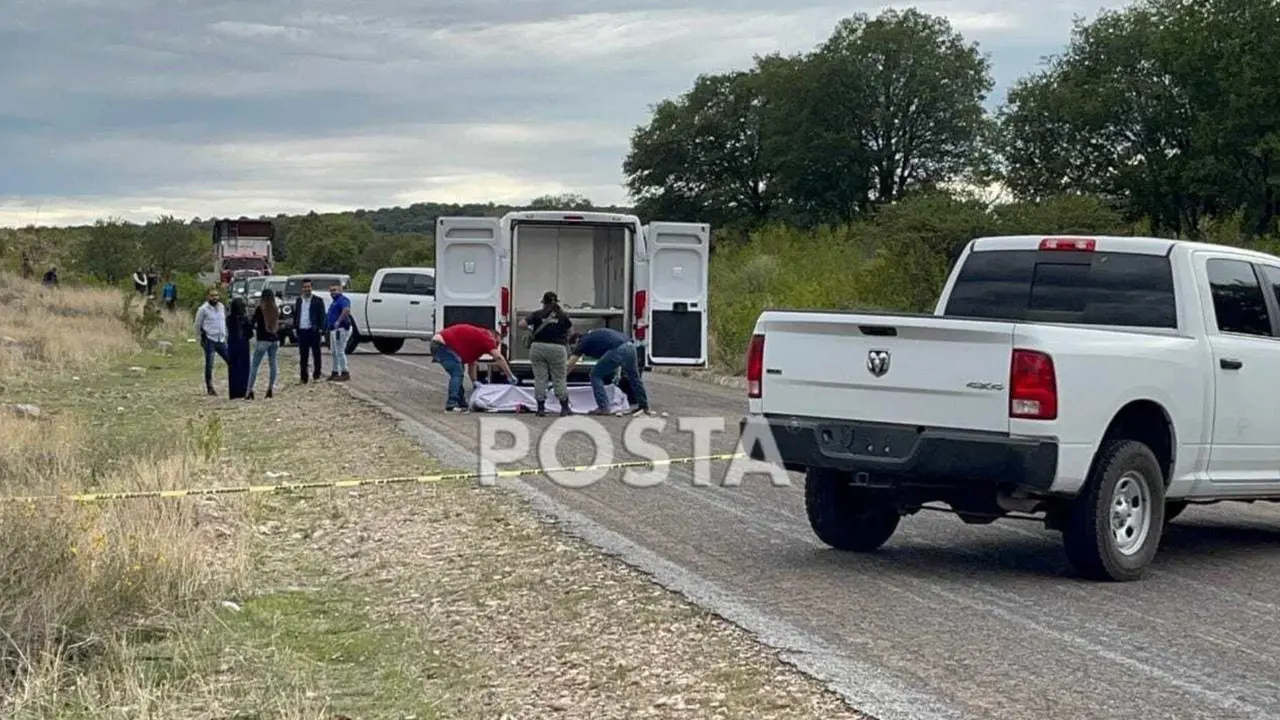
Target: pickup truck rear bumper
[(903, 454)]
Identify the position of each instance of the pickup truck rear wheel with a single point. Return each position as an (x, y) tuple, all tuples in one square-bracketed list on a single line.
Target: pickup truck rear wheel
[(388, 346), (1114, 527), (846, 517)]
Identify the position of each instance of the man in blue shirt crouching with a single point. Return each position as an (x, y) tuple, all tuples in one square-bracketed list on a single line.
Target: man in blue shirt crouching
[(615, 352)]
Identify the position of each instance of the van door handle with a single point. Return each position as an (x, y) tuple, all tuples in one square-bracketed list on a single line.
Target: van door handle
[(415, 302), (376, 300), (1230, 364)]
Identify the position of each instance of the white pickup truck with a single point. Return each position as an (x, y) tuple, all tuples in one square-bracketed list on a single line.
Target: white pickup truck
[(1102, 382), (400, 305)]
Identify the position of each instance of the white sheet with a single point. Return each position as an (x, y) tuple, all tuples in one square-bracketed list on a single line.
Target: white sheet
[(511, 398)]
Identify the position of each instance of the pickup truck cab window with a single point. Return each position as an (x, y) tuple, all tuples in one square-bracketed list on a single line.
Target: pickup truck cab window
[(1239, 305), (394, 284), (422, 285), (1271, 277), (1086, 288)]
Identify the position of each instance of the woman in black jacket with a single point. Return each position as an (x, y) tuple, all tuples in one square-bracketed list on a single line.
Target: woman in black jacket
[(266, 329), (548, 352), (239, 330)]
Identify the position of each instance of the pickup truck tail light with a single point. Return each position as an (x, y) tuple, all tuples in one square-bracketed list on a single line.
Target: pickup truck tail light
[(755, 367), (638, 306), (1073, 244), (1033, 386)]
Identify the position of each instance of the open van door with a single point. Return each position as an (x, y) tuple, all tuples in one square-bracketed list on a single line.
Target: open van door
[(468, 272), (676, 311)]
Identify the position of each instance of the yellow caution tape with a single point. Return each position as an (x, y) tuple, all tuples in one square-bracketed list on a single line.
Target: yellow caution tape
[(321, 485)]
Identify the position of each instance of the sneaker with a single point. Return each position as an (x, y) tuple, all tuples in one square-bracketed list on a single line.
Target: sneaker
[(210, 391), (344, 377), (268, 393), (639, 411), (457, 410), (333, 377), (599, 411)]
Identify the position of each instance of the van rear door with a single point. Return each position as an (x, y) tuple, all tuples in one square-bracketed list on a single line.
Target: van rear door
[(468, 279), (676, 299)]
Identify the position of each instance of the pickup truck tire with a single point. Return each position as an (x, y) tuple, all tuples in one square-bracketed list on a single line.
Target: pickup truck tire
[(354, 341), (1114, 527), (388, 346), (845, 517)]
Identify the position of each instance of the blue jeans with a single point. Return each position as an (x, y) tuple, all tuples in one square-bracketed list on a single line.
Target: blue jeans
[(625, 357), (452, 364), (270, 349), (210, 349), (338, 344)]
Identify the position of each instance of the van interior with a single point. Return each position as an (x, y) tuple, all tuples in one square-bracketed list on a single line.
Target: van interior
[(585, 265)]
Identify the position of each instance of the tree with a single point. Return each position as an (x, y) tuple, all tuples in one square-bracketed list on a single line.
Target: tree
[(333, 243), (170, 245), (407, 249), (1168, 107), (568, 201), (883, 106), (110, 250), (701, 156)]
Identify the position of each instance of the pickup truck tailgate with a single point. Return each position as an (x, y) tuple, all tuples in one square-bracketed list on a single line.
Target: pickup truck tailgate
[(904, 369)]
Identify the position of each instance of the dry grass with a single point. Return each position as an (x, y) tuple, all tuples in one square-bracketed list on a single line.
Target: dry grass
[(436, 601), (51, 331), (78, 582)]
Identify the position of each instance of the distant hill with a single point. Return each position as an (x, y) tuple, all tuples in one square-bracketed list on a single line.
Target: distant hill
[(355, 241), (420, 218)]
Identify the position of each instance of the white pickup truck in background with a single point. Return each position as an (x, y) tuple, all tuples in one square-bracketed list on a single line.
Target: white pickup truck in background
[(400, 305), (1102, 382)]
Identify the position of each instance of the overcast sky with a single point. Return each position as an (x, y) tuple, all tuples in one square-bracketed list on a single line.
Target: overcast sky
[(133, 108)]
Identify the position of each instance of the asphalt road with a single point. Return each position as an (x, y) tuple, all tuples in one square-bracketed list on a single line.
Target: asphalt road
[(948, 620)]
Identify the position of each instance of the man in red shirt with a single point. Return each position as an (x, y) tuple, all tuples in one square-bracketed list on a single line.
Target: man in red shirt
[(462, 345)]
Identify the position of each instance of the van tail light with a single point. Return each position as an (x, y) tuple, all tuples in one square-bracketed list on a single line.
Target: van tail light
[(638, 306), (1033, 386), (504, 316), (755, 367)]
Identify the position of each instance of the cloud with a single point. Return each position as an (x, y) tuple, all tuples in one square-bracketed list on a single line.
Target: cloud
[(236, 106)]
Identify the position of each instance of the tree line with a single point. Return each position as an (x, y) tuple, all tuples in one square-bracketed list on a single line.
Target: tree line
[(356, 242), (1167, 111)]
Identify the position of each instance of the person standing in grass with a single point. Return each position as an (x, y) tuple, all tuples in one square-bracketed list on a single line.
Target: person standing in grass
[(211, 329), (266, 330), (170, 294), (338, 321), (239, 331)]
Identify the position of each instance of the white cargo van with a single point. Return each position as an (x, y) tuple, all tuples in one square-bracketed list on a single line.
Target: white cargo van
[(646, 281)]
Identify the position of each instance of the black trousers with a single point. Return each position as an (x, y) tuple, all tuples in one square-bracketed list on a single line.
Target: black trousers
[(309, 349)]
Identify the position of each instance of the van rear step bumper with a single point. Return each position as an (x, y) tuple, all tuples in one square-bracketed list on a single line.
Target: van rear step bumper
[(903, 454)]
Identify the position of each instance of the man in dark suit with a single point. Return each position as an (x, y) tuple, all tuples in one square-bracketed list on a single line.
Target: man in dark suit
[(310, 329)]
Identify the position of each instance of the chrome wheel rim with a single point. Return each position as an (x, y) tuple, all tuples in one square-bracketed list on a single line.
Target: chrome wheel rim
[(1130, 513)]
